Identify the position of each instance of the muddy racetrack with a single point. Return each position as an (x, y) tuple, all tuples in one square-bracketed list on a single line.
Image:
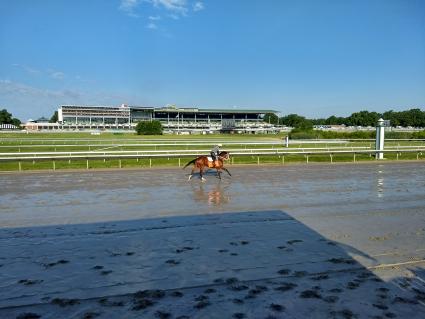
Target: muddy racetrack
[(328, 241)]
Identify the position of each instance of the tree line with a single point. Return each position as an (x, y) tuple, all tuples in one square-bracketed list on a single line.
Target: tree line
[(412, 117), (7, 118)]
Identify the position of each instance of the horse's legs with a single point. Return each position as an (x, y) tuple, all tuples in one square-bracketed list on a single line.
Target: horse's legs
[(227, 171), (219, 173), (201, 173), (191, 173)]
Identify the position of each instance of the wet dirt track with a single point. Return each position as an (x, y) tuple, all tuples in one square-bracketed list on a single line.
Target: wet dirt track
[(357, 224)]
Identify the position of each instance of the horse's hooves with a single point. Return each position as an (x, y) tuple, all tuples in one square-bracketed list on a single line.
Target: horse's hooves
[(203, 179), (190, 177)]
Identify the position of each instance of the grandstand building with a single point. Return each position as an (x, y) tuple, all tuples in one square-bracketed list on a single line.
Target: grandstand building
[(173, 119)]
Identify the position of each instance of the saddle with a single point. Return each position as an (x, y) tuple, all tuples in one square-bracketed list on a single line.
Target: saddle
[(211, 162)]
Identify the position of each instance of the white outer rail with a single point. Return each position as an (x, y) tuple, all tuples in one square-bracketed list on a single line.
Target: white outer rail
[(177, 155), (240, 151)]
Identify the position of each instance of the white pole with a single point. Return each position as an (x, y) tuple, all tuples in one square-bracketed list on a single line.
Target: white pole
[(379, 144)]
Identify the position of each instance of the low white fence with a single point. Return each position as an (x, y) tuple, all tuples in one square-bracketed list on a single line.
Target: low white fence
[(67, 156), (197, 152)]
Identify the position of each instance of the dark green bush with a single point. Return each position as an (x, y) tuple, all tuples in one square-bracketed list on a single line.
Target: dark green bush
[(299, 134), (420, 134), (149, 128)]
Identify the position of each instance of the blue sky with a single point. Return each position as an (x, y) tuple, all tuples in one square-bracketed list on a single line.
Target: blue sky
[(315, 58)]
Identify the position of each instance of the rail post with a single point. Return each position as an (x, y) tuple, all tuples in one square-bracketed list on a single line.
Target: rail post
[(258, 160), (331, 157), (54, 166), (87, 163), (179, 162), (283, 160), (150, 162), (119, 161), (306, 159), (379, 143), (20, 166), (354, 157)]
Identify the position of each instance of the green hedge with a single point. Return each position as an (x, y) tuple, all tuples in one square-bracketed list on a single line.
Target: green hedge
[(149, 128), (297, 134)]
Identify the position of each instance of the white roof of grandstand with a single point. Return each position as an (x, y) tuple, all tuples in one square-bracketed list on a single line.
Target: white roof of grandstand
[(181, 109)]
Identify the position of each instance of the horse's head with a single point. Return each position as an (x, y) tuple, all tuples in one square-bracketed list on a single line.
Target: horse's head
[(224, 155)]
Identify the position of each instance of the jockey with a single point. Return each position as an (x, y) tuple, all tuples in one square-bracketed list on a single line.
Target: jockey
[(215, 152)]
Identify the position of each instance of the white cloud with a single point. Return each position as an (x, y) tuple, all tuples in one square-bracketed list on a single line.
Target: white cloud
[(27, 101), (173, 16), (13, 88), (198, 6), (179, 6), (176, 7), (151, 25), (26, 68), (129, 7), (57, 75)]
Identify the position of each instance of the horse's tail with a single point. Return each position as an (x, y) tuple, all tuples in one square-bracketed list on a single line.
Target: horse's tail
[(191, 162)]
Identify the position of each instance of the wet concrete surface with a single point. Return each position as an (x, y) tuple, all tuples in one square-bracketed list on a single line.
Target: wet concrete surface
[(332, 241)]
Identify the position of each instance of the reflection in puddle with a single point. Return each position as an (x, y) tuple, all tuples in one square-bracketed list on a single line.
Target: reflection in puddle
[(380, 184), (214, 195)]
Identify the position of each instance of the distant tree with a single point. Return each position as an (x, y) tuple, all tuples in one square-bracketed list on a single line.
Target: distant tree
[(16, 122), (271, 118), (296, 121), (333, 120), (363, 118), (392, 117), (412, 117), (149, 128), (6, 118), (318, 121), (54, 117)]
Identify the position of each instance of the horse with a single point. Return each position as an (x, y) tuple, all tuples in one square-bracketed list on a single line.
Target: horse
[(202, 161)]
